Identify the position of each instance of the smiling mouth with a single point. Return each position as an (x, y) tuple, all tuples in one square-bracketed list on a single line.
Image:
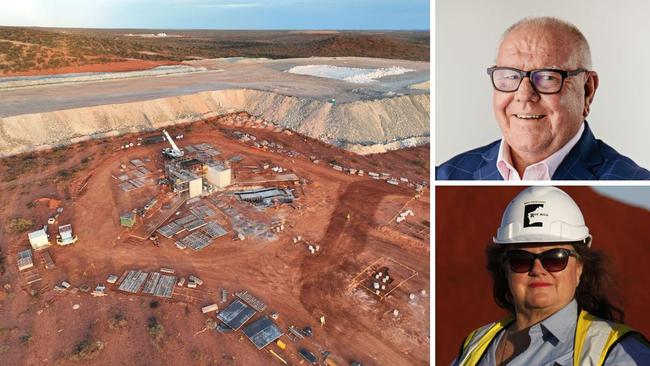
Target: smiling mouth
[(529, 116)]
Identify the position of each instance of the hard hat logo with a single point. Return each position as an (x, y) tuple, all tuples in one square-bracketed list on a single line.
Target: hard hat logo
[(534, 214), (542, 214)]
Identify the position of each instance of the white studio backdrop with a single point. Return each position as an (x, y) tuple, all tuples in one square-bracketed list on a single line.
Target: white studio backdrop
[(467, 36)]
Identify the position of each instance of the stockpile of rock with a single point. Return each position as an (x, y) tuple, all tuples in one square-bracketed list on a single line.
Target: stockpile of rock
[(363, 126)]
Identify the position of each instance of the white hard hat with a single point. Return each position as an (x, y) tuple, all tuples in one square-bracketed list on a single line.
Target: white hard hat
[(542, 214)]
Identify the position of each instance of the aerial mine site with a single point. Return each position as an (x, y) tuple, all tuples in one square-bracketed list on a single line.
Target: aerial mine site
[(214, 198)]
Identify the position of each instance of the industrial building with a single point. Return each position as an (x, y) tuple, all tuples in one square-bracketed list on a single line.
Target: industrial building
[(25, 260), (39, 239), (65, 235), (266, 196), (182, 180), (218, 175), (192, 174), (263, 332)]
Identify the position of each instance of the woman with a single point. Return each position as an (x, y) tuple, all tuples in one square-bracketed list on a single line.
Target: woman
[(550, 280)]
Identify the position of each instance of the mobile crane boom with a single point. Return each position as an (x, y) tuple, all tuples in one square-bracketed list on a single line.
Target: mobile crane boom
[(174, 152)]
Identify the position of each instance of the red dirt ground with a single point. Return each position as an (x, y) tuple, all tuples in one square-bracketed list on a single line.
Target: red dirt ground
[(466, 220), (120, 66), (297, 285)]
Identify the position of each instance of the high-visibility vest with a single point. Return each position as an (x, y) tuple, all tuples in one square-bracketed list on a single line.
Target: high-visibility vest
[(594, 338)]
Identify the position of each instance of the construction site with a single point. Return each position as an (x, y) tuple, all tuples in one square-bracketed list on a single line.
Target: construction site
[(227, 241)]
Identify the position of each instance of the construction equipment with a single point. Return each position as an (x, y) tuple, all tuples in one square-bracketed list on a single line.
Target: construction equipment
[(307, 331), (296, 332), (326, 360), (308, 356), (173, 152), (281, 344)]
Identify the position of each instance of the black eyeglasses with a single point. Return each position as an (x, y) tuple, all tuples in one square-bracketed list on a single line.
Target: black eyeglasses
[(544, 81), (553, 260)]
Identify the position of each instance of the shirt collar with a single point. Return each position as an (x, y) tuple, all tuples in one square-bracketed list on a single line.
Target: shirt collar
[(562, 324), (547, 166)]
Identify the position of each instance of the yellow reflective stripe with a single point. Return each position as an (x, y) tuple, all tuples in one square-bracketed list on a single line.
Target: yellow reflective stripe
[(585, 321), (618, 330), (477, 347), (471, 341), (582, 327), (469, 338), (484, 342)]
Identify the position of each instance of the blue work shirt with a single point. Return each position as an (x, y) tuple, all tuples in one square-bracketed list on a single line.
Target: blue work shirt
[(552, 339)]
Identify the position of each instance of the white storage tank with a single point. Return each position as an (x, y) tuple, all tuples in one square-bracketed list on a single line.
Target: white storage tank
[(218, 176), (196, 187)]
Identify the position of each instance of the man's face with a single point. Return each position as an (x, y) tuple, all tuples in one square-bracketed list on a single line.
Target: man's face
[(537, 125)]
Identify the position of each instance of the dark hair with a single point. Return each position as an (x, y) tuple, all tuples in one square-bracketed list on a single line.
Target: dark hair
[(590, 294)]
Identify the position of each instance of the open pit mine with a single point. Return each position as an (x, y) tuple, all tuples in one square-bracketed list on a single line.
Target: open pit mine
[(362, 105), (220, 212)]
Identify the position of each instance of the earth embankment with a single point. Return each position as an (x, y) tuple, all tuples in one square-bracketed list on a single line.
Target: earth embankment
[(362, 126)]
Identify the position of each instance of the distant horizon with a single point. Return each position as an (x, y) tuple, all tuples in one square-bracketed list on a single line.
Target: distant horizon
[(228, 29), (353, 15)]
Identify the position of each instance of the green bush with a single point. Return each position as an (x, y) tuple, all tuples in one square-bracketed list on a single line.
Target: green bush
[(18, 225), (155, 329), (86, 350)]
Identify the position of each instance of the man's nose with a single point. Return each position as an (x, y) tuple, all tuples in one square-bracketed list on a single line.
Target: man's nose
[(526, 92)]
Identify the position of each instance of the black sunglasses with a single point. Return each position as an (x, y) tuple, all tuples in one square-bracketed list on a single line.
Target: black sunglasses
[(553, 260)]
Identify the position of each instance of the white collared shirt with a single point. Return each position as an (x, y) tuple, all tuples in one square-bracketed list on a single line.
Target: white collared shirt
[(542, 170)]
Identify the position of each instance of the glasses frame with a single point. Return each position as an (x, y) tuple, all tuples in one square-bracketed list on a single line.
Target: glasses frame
[(541, 256), (523, 74)]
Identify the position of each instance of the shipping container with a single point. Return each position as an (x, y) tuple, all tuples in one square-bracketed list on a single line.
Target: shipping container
[(308, 356)]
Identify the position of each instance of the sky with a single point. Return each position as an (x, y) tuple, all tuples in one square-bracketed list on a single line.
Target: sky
[(634, 195), (219, 14)]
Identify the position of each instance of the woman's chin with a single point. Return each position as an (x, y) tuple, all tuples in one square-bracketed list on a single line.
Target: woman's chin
[(540, 301)]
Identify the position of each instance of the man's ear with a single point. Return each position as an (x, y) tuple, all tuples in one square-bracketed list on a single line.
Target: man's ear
[(590, 91)]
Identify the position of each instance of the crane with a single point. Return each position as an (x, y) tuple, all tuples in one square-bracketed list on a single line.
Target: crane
[(173, 152)]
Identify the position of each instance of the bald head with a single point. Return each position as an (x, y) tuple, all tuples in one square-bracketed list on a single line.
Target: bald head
[(565, 36), (536, 122)]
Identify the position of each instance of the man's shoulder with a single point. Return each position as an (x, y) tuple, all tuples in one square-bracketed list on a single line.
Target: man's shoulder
[(616, 166), (463, 166), (591, 158)]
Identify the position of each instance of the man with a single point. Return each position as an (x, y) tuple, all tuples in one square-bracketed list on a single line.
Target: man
[(543, 88)]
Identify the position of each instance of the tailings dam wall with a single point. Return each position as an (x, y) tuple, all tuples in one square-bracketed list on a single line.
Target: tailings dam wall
[(369, 126)]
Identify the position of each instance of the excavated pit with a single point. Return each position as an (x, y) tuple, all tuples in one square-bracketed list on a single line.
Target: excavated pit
[(364, 127)]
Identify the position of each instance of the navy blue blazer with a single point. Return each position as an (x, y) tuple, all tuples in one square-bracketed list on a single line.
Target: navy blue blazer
[(589, 159)]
